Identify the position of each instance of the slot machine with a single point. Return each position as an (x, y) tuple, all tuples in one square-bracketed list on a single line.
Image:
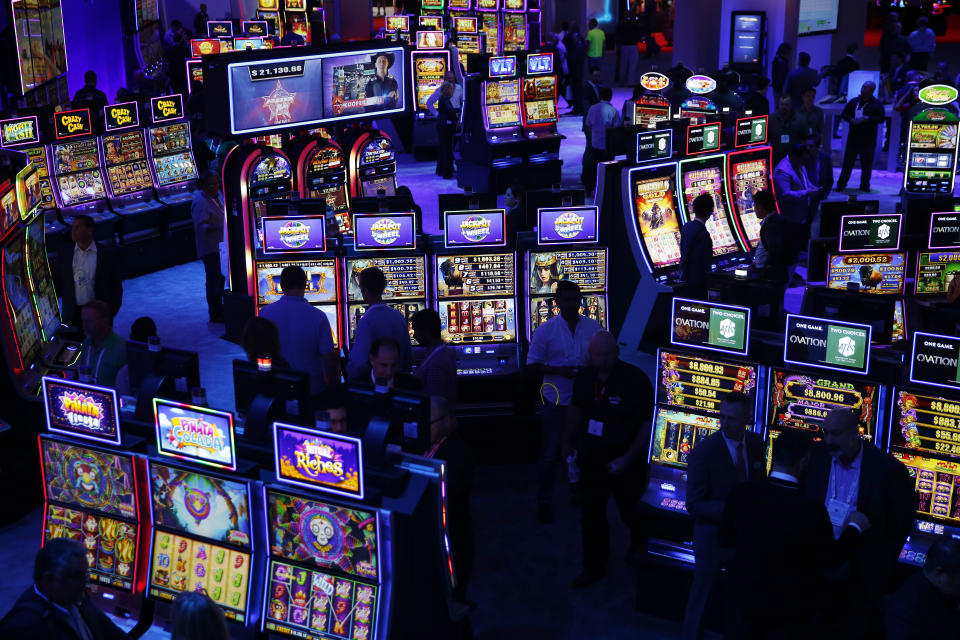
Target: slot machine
[(80, 187), (651, 108), (691, 383), (129, 181), (698, 109), (469, 36), (94, 493), (458, 9), (321, 172), (202, 536), (387, 241), (269, 11), (514, 25), (501, 100), (23, 134), (171, 150), (397, 28), (295, 12), (475, 293), (429, 62), (749, 169), (540, 97), (566, 249), (428, 22), (924, 419), (932, 144), (489, 13), (373, 164), (936, 269)]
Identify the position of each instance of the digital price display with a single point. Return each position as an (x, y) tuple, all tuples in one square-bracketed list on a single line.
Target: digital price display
[(802, 401), (475, 275), (707, 325), (936, 271), (195, 433), (706, 175), (693, 382), (827, 344), (587, 268), (650, 109), (654, 145), (567, 225), (474, 228), (656, 214), (934, 360), (944, 231), (675, 433), (751, 131), (703, 138), (870, 232), (926, 424), (881, 273), (81, 410), (325, 462), (294, 234), (937, 487)]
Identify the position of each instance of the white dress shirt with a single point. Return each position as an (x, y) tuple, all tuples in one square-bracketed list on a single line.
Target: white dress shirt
[(553, 345), (84, 272), (844, 486)]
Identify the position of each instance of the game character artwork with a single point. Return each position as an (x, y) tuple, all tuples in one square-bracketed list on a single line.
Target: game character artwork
[(201, 505)]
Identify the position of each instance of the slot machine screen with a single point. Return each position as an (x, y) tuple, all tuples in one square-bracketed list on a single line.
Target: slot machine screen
[(38, 156), (327, 158), (177, 167), (271, 177), (387, 184), (406, 287), (588, 268), (81, 155), (395, 23), (650, 109), (697, 109), (428, 72), (321, 280), (802, 401), (656, 215), (693, 382), (379, 149), (707, 176), (503, 108), (937, 487), (936, 270), (483, 286), (80, 187), (881, 273), (925, 424), (18, 302), (29, 192), (540, 100), (433, 39), (110, 543), (932, 156), (490, 25), (459, 5), (676, 433), (170, 138), (514, 32), (9, 214), (747, 177), (41, 280), (126, 159)]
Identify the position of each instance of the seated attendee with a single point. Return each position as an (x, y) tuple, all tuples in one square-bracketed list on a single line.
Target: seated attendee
[(332, 410), (927, 606), (103, 352), (757, 102), (261, 340), (516, 216), (775, 257), (196, 617), (141, 330), (290, 37), (56, 606), (953, 291), (385, 371), (438, 370), (379, 321)]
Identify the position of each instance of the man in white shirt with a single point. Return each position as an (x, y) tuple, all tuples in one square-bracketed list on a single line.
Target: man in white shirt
[(379, 321), (86, 271), (600, 117), (559, 348), (923, 41), (306, 341)]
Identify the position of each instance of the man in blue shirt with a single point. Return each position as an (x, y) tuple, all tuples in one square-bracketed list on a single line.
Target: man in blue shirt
[(306, 341), (379, 321), (103, 352)]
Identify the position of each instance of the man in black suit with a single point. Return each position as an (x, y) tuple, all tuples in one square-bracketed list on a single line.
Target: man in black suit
[(87, 271), (928, 604), (591, 96), (775, 256), (848, 475), (781, 541), (864, 114), (731, 456), (696, 248), (385, 368), (897, 77)]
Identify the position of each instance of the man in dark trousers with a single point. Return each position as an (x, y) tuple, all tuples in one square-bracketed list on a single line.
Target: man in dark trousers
[(590, 96), (86, 271), (779, 68), (209, 218), (56, 606), (696, 248), (848, 475), (731, 456), (775, 256), (864, 114), (602, 421), (928, 603)]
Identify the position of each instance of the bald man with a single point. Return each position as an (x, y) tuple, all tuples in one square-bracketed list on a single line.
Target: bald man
[(607, 422), (849, 474), (864, 114)]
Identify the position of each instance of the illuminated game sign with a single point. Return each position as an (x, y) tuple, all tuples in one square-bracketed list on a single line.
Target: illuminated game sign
[(465, 24), (82, 410), (195, 433), (398, 23), (166, 108), (935, 360), (327, 462), (936, 271), (70, 124), (429, 39), (650, 109), (256, 28), (870, 232), (219, 28), (707, 325), (502, 67), (698, 383), (700, 84), (539, 63), (751, 131), (204, 47), (871, 272), (827, 344), (802, 401), (19, 131), (121, 116), (702, 138), (379, 231), (938, 94), (294, 234), (567, 225), (928, 424), (944, 231), (654, 145), (653, 81), (475, 228)]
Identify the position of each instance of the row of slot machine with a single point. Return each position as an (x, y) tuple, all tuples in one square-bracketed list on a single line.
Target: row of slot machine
[(306, 544), (304, 16), (908, 403)]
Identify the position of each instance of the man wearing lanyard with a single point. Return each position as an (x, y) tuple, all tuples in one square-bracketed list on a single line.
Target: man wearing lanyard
[(103, 352), (379, 321), (602, 420), (839, 469), (864, 114), (86, 271), (557, 351)]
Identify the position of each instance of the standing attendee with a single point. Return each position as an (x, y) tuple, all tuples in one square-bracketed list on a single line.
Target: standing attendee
[(290, 37), (628, 34), (779, 68), (731, 456), (89, 97), (795, 193), (898, 77), (379, 321), (864, 114), (385, 373), (601, 117), (438, 369), (785, 129), (261, 340), (727, 100), (810, 114), (602, 424), (892, 41), (928, 603), (447, 120), (923, 42), (103, 352), (696, 249), (306, 340), (847, 475), (839, 72), (820, 172), (200, 22), (775, 256), (86, 271), (757, 102), (559, 348), (173, 34), (799, 79), (595, 39), (513, 203), (576, 62), (196, 617), (56, 606), (456, 100), (209, 219), (590, 95)]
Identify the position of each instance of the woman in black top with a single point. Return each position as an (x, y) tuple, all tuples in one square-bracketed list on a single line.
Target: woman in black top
[(446, 129)]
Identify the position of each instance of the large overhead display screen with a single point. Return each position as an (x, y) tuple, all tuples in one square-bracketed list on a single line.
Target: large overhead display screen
[(818, 16)]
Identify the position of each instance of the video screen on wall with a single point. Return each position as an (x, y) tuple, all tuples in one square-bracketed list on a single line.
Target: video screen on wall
[(38, 29), (818, 16)]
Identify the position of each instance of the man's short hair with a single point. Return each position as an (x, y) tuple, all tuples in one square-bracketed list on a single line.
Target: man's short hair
[(101, 308), (568, 286), (790, 447), (90, 76), (763, 83), (852, 47), (798, 149), (143, 328), (606, 93), (293, 278), (803, 58), (847, 417), (428, 320), (593, 24), (765, 199), (333, 397), (86, 221), (808, 90), (944, 554), (737, 398), (383, 342), (55, 555), (703, 205), (373, 280)]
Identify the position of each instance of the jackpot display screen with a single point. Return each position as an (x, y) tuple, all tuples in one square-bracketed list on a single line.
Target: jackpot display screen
[(676, 433), (490, 26), (707, 176), (81, 187), (110, 544), (932, 154), (873, 272), (540, 100), (501, 98), (328, 158), (514, 32), (379, 149), (937, 486), (41, 280), (936, 270), (406, 287), (925, 424), (126, 159), (471, 276), (802, 401), (697, 109), (81, 155), (177, 167), (428, 72), (699, 383), (89, 478), (169, 138), (650, 109), (474, 320), (19, 306), (657, 216), (321, 280), (586, 267), (270, 169), (747, 177)]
